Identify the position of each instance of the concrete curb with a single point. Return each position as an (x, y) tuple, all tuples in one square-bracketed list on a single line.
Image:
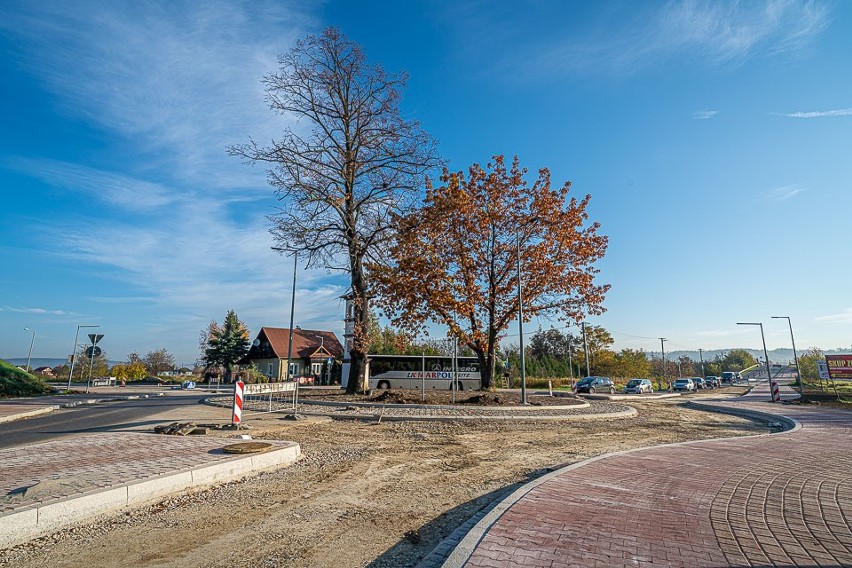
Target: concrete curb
[(635, 397), (23, 525), (378, 417), (465, 548), (629, 413), (212, 401), (29, 414)]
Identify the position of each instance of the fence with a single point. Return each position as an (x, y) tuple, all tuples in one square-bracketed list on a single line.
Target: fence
[(262, 398)]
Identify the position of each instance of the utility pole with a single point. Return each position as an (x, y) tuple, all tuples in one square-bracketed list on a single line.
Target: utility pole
[(586, 350), (795, 356), (663, 349), (30, 353), (701, 357)]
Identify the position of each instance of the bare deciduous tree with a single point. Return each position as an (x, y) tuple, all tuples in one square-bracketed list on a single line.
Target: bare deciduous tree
[(348, 163)]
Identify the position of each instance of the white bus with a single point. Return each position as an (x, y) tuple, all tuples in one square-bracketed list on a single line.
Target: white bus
[(418, 372)]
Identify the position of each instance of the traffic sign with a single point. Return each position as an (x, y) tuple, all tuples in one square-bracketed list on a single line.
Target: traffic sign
[(93, 351), (95, 337)]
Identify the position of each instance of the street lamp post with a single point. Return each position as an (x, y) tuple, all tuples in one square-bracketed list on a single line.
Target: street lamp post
[(795, 356), (701, 357), (30, 353), (74, 352), (521, 321), (663, 351), (586, 350), (765, 353)]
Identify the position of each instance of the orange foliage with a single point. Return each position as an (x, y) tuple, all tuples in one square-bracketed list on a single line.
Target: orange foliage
[(455, 259)]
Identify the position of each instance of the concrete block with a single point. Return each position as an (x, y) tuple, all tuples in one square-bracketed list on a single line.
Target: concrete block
[(222, 471), (18, 527), (277, 458), (56, 515), (155, 488)]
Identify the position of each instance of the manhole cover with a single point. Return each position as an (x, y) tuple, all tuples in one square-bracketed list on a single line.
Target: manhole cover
[(247, 447)]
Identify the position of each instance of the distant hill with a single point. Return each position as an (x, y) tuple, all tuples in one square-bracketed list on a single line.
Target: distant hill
[(45, 362), (781, 356)]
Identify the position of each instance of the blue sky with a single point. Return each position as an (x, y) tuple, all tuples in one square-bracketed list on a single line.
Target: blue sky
[(715, 139)]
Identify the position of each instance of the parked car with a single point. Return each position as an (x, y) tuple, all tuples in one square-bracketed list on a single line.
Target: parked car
[(713, 380), (638, 386), (731, 377), (684, 385), (592, 385), (698, 382)]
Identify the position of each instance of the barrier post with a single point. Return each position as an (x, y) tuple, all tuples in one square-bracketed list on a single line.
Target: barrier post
[(776, 393), (237, 415)]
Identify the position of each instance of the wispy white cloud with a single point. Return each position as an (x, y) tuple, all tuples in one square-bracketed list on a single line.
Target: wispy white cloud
[(37, 311), (785, 192), (114, 188), (844, 317), (819, 113), (179, 81), (683, 32), (180, 226), (704, 114)]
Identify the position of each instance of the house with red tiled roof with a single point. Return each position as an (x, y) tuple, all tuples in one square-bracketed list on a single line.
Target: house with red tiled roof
[(311, 352)]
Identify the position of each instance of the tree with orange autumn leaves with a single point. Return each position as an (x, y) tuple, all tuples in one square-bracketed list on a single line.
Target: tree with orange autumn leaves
[(455, 260)]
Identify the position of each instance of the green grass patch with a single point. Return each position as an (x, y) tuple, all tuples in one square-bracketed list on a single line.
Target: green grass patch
[(17, 382), (825, 394)]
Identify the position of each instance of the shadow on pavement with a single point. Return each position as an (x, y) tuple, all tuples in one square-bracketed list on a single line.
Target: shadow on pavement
[(420, 544)]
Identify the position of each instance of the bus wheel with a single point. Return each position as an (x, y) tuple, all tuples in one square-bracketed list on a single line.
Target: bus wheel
[(383, 385)]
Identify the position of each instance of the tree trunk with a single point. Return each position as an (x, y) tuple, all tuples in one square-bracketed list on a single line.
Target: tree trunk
[(358, 381)]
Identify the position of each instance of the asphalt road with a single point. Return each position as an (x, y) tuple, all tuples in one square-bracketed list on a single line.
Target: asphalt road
[(102, 417)]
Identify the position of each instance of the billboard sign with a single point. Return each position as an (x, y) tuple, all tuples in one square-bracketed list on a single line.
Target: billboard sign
[(839, 367)]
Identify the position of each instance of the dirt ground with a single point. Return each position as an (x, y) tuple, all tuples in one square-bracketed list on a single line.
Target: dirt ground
[(363, 494)]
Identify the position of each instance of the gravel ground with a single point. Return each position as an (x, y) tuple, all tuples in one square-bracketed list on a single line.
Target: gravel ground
[(364, 494)]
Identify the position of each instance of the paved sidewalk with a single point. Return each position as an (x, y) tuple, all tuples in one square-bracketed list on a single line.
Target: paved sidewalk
[(773, 500), (46, 486)]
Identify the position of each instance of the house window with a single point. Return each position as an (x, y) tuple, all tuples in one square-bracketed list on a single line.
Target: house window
[(269, 369), (294, 370), (316, 369)]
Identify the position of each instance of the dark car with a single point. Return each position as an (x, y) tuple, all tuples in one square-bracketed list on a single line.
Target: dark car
[(592, 385)]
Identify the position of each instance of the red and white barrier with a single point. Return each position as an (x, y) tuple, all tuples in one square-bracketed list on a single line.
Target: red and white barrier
[(237, 415), (776, 392)]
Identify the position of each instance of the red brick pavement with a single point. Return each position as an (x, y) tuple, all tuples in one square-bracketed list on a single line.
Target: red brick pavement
[(782, 500), (98, 461)]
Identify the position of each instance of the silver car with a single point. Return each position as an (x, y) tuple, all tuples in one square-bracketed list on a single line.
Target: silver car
[(638, 386), (684, 385)]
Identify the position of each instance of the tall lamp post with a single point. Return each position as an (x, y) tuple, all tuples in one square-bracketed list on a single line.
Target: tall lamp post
[(529, 222), (765, 353), (521, 321), (701, 357), (292, 311), (30, 353), (663, 352), (586, 350), (795, 356), (74, 353)]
